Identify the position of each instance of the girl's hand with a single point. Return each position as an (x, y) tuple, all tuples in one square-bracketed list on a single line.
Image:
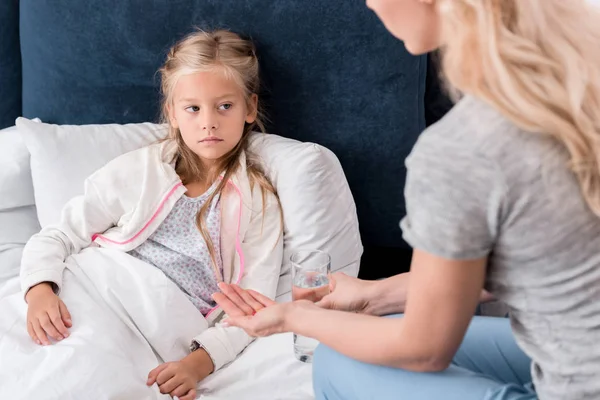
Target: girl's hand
[(179, 379), (47, 315), (237, 302)]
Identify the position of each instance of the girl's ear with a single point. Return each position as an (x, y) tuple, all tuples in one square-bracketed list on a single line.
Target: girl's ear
[(172, 119), (252, 108)]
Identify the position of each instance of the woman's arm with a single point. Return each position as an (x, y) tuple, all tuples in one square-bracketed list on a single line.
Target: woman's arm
[(384, 297), (388, 296), (442, 297)]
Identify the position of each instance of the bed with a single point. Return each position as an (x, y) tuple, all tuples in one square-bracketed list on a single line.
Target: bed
[(345, 103)]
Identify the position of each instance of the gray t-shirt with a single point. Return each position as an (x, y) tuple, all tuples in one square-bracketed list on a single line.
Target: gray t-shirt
[(478, 186)]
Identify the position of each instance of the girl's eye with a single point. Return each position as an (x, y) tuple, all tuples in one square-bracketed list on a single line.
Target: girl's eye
[(192, 109), (225, 106)]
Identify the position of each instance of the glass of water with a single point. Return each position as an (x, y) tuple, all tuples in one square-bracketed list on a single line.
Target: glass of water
[(310, 281)]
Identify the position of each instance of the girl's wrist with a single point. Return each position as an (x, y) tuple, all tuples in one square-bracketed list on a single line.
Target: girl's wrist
[(200, 363)]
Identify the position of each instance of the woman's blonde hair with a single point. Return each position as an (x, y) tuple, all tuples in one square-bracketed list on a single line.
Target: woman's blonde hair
[(538, 62), (203, 51)]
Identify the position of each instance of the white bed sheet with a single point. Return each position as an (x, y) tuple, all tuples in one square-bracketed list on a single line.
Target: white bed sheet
[(114, 343)]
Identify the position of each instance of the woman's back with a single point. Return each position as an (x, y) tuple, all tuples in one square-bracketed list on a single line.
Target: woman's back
[(517, 201)]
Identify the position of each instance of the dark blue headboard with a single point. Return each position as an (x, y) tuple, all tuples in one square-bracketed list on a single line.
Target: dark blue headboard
[(10, 63), (332, 73)]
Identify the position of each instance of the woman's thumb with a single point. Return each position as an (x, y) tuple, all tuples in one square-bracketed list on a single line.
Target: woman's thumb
[(325, 302)]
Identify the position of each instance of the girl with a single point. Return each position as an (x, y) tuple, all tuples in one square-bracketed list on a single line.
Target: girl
[(197, 206), (503, 192)]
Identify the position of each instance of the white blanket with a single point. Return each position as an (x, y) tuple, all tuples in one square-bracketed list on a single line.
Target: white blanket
[(127, 319)]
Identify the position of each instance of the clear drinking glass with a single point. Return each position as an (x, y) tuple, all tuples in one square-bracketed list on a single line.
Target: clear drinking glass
[(310, 281)]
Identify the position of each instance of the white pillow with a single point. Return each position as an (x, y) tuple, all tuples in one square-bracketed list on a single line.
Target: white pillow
[(18, 220), (16, 188), (17, 225), (63, 156), (319, 209)]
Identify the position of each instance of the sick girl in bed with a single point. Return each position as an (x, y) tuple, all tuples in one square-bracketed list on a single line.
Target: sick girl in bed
[(197, 206)]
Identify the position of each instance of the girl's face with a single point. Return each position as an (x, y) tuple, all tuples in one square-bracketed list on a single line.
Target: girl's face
[(210, 111), (415, 22)]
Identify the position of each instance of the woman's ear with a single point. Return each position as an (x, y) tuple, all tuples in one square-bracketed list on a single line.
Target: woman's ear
[(172, 119), (252, 108)]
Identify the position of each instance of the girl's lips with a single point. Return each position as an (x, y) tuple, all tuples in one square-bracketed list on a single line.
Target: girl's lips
[(211, 139)]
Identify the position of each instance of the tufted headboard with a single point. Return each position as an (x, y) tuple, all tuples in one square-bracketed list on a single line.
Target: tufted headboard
[(332, 73)]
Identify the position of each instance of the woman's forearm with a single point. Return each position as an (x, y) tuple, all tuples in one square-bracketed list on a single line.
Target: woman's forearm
[(366, 338), (388, 296)]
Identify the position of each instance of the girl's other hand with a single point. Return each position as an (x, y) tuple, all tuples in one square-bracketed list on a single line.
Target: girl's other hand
[(180, 378), (47, 315)]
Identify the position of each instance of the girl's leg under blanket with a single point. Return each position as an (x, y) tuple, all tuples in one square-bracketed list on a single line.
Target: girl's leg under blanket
[(489, 365)]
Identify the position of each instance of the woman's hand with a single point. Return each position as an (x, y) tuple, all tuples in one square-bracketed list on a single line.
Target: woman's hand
[(47, 315), (347, 294), (270, 320), (179, 379), (253, 312), (237, 302)]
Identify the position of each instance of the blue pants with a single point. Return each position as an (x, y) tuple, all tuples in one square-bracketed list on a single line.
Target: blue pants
[(489, 365)]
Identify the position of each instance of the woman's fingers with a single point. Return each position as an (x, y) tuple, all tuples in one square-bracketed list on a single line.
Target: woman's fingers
[(264, 300), (227, 305), (235, 298), (241, 322), (237, 302), (332, 282), (248, 298)]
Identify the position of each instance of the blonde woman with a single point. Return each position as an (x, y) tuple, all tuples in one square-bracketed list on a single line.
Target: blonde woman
[(503, 194)]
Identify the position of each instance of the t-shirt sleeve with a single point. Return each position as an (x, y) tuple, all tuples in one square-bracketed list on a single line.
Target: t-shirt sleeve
[(454, 198)]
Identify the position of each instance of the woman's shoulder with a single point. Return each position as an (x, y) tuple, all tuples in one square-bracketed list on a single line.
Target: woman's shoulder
[(470, 124), (474, 128)]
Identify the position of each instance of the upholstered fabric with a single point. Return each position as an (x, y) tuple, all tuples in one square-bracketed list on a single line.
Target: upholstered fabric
[(10, 63), (333, 75)]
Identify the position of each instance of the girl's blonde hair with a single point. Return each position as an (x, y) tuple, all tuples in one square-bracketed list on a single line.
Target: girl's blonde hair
[(538, 62), (203, 51)]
